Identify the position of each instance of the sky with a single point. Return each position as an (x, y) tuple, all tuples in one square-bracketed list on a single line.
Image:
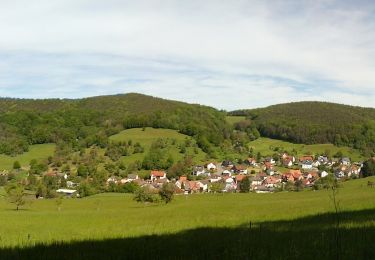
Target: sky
[(228, 54)]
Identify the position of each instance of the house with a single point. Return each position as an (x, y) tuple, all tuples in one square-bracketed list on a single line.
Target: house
[(68, 192), (230, 184), (251, 162), (215, 178), (307, 165), (316, 164), (345, 161), (323, 160), (226, 173), (181, 183), (130, 178), (292, 176), (112, 179), (308, 182), (211, 167), (193, 186), (203, 185), (288, 162), (270, 160), (323, 174), (257, 180), (71, 184), (306, 158), (267, 166), (227, 164), (240, 178), (158, 183), (272, 181), (313, 175), (198, 170), (133, 177), (158, 175), (339, 174), (354, 170), (240, 169)]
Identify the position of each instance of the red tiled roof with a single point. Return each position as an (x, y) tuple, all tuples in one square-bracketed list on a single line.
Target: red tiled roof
[(157, 173), (240, 177), (306, 158)]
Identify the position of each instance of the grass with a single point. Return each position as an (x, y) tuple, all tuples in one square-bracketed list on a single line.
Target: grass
[(149, 135), (234, 119), (38, 151), (265, 145), (110, 216)]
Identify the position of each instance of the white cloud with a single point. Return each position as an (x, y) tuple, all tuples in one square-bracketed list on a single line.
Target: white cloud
[(240, 53)]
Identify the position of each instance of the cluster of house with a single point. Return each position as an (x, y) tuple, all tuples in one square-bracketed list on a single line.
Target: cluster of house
[(263, 176)]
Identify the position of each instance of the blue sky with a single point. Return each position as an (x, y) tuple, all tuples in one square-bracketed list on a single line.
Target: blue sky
[(226, 54)]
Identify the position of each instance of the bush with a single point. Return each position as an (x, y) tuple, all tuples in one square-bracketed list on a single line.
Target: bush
[(16, 165), (166, 192), (144, 195)]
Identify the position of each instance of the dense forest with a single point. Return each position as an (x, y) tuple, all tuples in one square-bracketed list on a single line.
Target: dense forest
[(316, 122), (90, 121)]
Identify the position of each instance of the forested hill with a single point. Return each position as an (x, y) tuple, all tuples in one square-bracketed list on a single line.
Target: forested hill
[(316, 122), (84, 122)]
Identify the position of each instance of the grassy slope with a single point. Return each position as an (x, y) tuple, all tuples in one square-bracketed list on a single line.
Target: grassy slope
[(263, 146), (39, 152), (115, 215), (145, 138)]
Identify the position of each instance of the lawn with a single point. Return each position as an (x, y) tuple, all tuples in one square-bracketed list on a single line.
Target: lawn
[(147, 136), (265, 146), (38, 151)]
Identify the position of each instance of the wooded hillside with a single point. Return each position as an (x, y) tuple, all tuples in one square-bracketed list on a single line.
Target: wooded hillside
[(84, 122), (316, 122)]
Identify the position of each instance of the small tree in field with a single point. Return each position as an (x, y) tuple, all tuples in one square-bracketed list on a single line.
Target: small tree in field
[(245, 185), (144, 195), (217, 187), (16, 165), (16, 194), (59, 202), (166, 192)]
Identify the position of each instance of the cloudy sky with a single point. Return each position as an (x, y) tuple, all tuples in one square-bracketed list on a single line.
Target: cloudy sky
[(224, 53)]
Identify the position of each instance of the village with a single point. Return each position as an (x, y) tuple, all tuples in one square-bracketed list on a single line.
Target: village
[(266, 176)]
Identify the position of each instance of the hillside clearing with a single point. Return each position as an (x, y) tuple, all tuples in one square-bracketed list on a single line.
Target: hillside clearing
[(38, 152), (149, 135), (234, 119), (266, 145)]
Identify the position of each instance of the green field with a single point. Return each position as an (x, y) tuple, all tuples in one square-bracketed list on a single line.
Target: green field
[(234, 119), (149, 135), (38, 151), (265, 146), (199, 218)]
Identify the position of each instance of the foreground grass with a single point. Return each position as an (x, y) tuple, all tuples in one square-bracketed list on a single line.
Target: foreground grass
[(38, 152), (111, 216), (265, 145)]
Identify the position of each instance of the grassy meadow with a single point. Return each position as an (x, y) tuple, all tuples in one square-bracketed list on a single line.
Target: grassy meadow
[(234, 119), (38, 152), (241, 221), (265, 146)]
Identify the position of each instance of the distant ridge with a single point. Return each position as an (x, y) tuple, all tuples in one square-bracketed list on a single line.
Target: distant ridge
[(92, 120)]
